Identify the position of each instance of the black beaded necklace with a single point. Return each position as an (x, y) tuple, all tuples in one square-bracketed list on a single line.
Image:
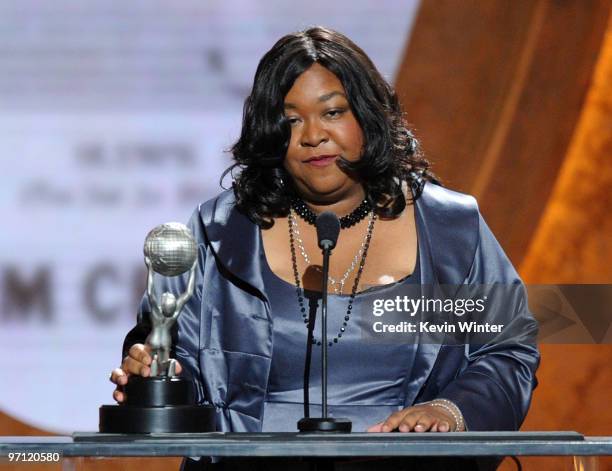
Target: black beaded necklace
[(354, 217), (300, 292)]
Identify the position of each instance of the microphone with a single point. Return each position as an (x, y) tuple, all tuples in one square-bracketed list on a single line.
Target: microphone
[(328, 230)]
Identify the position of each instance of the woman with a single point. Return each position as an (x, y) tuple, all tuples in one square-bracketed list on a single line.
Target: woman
[(322, 130)]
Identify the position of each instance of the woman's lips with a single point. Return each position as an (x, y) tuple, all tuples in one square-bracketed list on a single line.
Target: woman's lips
[(322, 160)]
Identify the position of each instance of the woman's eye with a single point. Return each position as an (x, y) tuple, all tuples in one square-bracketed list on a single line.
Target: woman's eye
[(292, 120), (335, 112)]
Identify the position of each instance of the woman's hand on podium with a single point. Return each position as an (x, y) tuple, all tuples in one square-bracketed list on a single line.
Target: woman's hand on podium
[(419, 418), (137, 362)]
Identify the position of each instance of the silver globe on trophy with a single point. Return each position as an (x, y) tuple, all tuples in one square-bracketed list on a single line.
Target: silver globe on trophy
[(162, 402)]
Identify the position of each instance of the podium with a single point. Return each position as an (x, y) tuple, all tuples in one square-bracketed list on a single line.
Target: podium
[(314, 446)]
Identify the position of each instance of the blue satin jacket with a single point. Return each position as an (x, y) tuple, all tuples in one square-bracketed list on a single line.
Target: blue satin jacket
[(225, 330)]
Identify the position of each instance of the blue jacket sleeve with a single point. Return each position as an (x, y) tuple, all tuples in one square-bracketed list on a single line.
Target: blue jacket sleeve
[(494, 387)]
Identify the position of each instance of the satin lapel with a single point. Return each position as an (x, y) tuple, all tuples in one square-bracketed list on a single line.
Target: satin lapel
[(235, 240), (451, 226), (447, 241), (426, 353), (240, 362)]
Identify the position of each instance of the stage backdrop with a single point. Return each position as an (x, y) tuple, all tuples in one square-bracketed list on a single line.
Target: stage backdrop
[(114, 117)]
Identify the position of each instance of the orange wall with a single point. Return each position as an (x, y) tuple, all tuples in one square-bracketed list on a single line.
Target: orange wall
[(513, 103)]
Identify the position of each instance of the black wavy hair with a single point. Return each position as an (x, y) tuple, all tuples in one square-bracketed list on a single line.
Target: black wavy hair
[(390, 155)]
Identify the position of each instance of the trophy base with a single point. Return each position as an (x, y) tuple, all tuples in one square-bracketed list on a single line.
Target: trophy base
[(158, 404), (167, 419), (328, 424), (158, 391)]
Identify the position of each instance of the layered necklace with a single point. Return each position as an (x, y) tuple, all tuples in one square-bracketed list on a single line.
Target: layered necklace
[(358, 260), (337, 285)]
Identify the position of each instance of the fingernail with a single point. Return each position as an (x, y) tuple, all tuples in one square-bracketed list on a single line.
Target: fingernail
[(403, 428), (386, 428), (443, 427), (419, 427)]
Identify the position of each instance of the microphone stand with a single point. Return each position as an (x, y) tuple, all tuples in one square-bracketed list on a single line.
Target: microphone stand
[(324, 423), (307, 361), (326, 255)]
